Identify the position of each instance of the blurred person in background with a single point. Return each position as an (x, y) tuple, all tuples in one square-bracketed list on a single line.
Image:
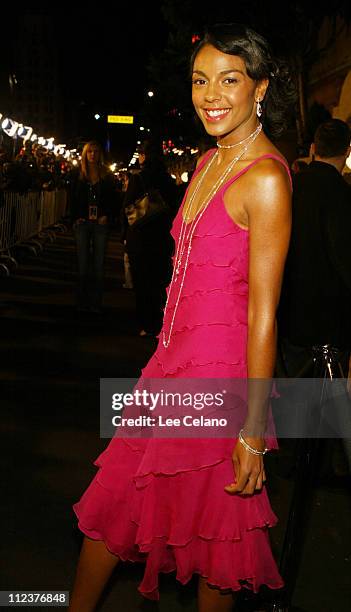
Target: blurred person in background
[(128, 281), (153, 175), (92, 203), (42, 177), (298, 165), (149, 247), (316, 296), (4, 160)]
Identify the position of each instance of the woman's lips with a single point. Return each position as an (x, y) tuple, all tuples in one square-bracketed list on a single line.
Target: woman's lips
[(215, 114)]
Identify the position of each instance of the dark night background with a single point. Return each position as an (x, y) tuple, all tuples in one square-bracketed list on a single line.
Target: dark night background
[(105, 59), (59, 65), (101, 64)]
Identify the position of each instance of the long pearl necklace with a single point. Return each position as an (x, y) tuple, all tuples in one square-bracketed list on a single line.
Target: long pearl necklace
[(187, 229), (236, 144)]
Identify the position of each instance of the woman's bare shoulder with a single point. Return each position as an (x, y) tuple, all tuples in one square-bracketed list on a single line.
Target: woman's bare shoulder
[(271, 166), (269, 184)]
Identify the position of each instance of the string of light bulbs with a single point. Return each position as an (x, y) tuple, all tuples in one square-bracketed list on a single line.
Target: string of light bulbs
[(13, 129)]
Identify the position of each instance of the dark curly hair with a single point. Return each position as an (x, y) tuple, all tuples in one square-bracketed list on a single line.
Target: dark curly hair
[(254, 50)]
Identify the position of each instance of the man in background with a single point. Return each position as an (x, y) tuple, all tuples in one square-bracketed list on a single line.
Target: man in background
[(316, 298), (314, 324)]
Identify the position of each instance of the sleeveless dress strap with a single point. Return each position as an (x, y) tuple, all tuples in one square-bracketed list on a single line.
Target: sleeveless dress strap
[(266, 156)]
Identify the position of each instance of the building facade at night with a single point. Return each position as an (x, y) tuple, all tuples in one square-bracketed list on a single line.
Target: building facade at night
[(329, 82), (33, 81)]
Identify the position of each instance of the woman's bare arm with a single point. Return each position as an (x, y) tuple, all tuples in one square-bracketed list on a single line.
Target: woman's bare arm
[(269, 213)]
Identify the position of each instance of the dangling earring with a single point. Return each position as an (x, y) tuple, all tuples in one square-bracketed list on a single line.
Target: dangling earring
[(258, 108)]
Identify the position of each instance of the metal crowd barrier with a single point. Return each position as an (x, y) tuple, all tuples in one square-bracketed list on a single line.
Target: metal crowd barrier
[(26, 219)]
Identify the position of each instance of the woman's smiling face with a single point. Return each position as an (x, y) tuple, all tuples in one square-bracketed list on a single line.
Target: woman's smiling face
[(222, 92)]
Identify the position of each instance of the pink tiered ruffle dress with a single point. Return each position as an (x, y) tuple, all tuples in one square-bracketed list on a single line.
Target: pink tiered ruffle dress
[(162, 501)]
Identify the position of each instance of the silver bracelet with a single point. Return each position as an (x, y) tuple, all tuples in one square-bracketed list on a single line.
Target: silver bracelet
[(249, 448)]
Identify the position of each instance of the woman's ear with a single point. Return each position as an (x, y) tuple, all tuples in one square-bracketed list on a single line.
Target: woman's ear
[(261, 89)]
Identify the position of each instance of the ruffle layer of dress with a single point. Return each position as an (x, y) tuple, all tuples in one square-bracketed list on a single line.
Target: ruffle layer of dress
[(225, 308), (219, 252), (163, 456), (156, 518), (191, 369), (203, 344), (217, 243)]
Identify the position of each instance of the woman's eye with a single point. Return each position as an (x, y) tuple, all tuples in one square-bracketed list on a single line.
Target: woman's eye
[(230, 80), (198, 81)]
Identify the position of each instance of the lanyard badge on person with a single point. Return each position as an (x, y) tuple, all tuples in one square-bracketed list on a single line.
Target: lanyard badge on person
[(93, 209)]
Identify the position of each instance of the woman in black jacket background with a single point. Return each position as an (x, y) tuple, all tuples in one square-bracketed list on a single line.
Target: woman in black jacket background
[(93, 203)]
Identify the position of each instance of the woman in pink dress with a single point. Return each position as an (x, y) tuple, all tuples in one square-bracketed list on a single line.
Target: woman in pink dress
[(198, 505)]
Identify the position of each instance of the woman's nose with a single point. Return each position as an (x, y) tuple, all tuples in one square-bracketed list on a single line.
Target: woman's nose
[(212, 93)]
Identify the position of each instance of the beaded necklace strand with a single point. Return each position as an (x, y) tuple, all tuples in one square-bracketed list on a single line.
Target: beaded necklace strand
[(236, 144)]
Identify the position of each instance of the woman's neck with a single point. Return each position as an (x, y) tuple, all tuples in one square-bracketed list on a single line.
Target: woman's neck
[(93, 173), (248, 147)]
